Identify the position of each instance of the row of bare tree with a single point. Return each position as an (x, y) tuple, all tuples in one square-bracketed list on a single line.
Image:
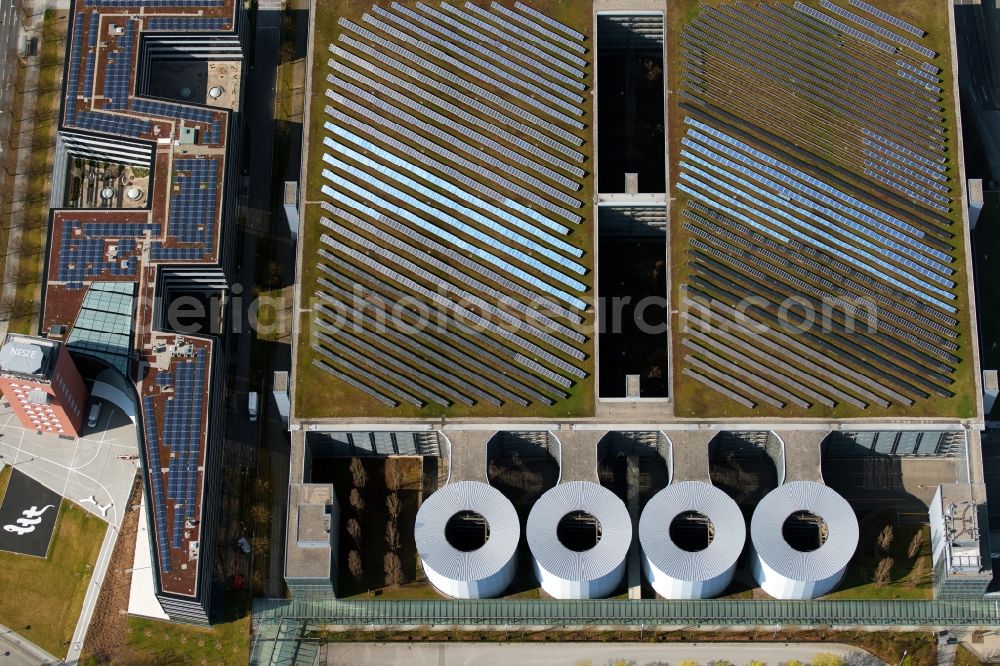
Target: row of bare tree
[(392, 565), (883, 570)]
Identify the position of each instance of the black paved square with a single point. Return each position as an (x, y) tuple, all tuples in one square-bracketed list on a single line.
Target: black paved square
[(27, 516)]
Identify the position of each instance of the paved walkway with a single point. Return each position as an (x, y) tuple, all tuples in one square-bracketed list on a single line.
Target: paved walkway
[(574, 654)]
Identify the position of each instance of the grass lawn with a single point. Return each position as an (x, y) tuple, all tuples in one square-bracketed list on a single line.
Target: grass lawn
[(50, 592), (154, 642), (910, 578)]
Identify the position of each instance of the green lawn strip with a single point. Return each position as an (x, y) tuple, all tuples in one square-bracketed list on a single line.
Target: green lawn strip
[(155, 642), (47, 594)]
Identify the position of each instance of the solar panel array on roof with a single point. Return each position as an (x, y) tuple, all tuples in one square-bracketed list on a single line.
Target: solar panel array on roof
[(192, 209), (180, 112), (88, 76), (110, 124), (73, 73), (153, 3), (103, 326), (186, 23), (182, 430), (83, 256), (118, 71), (159, 507), (159, 253)]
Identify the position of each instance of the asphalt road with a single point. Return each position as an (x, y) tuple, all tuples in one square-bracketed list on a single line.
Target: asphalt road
[(574, 654)]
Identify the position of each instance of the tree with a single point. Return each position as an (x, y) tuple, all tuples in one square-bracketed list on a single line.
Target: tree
[(393, 569), (393, 506), (916, 544), (885, 538), (393, 476), (357, 501), (260, 544), (354, 565), (918, 574), (882, 571), (260, 514), (392, 536), (354, 530), (358, 473)]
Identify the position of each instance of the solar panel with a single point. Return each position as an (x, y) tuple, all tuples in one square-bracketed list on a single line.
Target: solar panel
[(547, 20), (159, 508), (460, 114), (457, 308), (193, 201), (877, 29), (211, 136), (844, 28), (528, 77), (112, 124), (895, 234), (154, 3), (187, 23), (714, 197), (504, 48), (73, 73), (807, 220), (458, 193), (529, 36), (453, 62), (118, 74), (888, 18)]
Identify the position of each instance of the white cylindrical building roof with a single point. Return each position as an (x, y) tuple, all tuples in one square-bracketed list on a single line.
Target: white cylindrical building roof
[(676, 573), (787, 573), (588, 574), (475, 574)]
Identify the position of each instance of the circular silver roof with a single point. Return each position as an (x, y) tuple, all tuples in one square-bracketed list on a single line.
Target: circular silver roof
[(827, 560), (729, 535), (557, 559), (448, 561)]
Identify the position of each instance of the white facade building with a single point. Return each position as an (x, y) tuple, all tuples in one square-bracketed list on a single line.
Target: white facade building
[(677, 573), (468, 574), (588, 574), (785, 572)]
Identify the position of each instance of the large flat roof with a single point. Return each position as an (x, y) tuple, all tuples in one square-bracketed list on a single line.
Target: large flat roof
[(448, 213), (102, 253), (819, 233), (814, 172)]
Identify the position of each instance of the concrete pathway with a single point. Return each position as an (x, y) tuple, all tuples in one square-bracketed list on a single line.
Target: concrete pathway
[(575, 654)]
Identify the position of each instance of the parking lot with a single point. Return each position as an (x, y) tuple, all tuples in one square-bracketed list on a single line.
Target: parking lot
[(96, 471)]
